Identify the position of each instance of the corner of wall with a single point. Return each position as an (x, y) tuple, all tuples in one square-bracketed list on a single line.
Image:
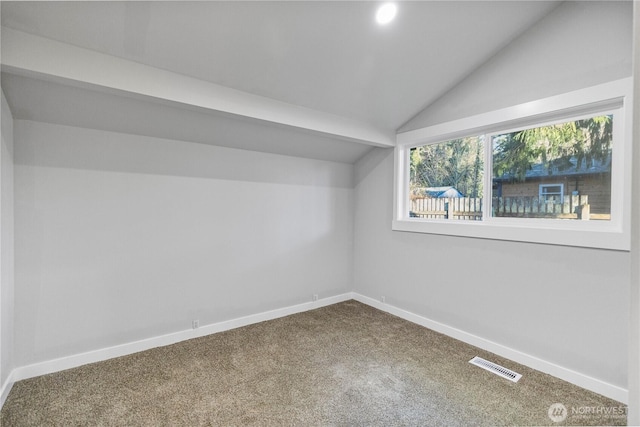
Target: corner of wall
[(5, 389), (633, 415), (6, 250)]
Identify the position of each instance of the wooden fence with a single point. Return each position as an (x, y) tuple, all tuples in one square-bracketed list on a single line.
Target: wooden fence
[(470, 208)]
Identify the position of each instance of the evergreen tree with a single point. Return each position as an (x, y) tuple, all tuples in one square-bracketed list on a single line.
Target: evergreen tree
[(557, 146)]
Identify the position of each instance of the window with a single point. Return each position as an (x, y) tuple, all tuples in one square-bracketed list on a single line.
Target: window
[(534, 166), (551, 194), (556, 171), (446, 179)]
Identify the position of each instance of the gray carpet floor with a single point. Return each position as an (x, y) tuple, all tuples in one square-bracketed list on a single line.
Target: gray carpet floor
[(343, 365)]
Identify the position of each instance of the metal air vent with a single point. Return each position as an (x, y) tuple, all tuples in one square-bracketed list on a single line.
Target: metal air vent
[(496, 369)]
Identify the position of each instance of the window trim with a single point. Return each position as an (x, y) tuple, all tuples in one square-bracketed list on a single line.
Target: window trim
[(613, 97), (542, 194)]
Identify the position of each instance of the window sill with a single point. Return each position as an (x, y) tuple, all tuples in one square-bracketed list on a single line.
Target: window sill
[(584, 234)]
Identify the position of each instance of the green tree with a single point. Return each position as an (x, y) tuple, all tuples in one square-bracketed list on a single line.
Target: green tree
[(457, 163), (556, 146)]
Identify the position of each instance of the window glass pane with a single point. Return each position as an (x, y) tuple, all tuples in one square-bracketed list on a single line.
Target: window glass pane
[(550, 193), (560, 171), (446, 179)]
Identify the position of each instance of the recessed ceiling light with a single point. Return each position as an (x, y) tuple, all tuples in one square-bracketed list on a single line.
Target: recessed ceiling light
[(386, 13)]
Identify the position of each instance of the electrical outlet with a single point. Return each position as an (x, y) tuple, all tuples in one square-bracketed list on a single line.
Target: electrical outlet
[(195, 324), (383, 299), (315, 297)]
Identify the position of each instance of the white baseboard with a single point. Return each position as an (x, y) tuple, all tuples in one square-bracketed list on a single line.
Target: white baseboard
[(581, 380), (6, 388), (593, 384), (76, 360)]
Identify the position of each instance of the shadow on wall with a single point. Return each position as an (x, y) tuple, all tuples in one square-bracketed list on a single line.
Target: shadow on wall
[(47, 145), (370, 162)]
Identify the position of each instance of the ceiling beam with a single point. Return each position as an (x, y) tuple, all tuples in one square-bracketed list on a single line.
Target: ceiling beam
[(48, 59)]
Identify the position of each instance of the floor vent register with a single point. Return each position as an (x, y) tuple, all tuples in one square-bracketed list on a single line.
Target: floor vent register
[(496, 369)]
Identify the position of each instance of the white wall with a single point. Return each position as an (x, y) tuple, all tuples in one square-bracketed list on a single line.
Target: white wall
[(633, 417), (122, 237), (566, 306), (579, 44), (6, 246)]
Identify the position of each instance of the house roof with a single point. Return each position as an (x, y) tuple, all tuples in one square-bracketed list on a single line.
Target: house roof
[(442, 192), (570, 168), (314, 79)]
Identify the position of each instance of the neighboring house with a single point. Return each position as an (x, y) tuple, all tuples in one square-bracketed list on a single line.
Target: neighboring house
[(553, 184)]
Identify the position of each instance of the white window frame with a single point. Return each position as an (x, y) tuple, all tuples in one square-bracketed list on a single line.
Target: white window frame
[(542, 194), (608, 98)]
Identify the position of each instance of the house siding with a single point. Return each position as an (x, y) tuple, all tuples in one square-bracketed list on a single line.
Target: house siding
[(596, 186)]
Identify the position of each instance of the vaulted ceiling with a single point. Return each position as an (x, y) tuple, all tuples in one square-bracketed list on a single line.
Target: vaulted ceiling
[(314, 79)]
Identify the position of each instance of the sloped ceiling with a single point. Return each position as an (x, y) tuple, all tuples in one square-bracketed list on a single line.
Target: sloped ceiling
[(311, 79)]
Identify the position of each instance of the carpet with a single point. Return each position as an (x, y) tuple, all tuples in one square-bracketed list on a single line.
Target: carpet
[(347, 364)]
